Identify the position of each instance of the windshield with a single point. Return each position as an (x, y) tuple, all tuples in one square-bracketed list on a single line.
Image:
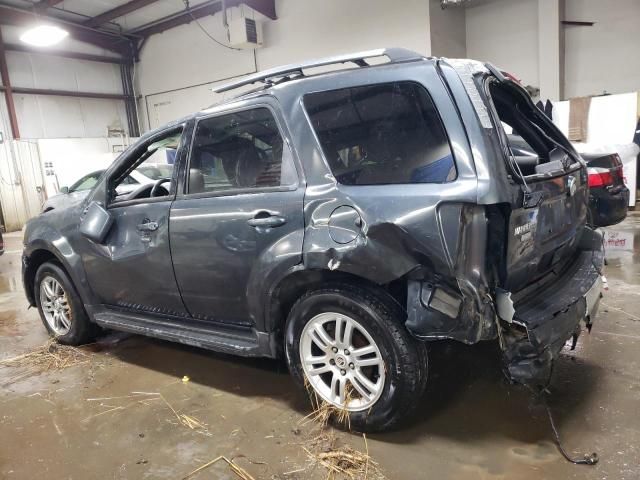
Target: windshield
[(86, 183), (156, 172)]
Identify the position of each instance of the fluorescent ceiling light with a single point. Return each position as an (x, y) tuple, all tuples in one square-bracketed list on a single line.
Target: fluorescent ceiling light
[(44, 35)]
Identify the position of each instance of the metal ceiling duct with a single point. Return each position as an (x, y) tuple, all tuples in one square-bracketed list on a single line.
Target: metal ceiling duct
[(452, 3)]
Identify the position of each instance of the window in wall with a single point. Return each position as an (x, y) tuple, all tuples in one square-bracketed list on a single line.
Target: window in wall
[(381, 134), (238, 151)]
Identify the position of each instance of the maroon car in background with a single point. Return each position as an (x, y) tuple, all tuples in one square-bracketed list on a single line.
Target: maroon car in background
[(608, 195)]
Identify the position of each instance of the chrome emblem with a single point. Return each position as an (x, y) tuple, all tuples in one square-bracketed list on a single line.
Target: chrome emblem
[(571, 184), (525, 228)]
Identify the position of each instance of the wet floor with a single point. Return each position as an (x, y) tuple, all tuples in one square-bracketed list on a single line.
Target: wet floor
[(116, 412)]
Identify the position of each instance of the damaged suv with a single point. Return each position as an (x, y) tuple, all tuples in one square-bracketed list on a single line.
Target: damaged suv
[(343, 220)]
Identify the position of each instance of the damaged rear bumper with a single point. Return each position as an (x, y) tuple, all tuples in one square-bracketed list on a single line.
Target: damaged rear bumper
[(546, 319)]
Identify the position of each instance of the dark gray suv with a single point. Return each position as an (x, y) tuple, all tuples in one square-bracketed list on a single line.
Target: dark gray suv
[(342, 220)]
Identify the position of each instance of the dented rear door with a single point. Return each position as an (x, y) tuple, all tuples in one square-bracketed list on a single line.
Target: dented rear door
[(544, 229)]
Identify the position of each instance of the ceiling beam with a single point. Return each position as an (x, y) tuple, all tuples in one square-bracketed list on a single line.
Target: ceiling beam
[(265, 7), (117, 12), (577, 24), (8, 91), (23, 18), (14, 47), (66, 93), (172, 21), (42, 5)]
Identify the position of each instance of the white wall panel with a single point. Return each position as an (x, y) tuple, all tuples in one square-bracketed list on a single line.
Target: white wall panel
[(30, 121), (98, 114), (11, 201), (606, 55), (41, 116), (448, 31), (505, 33), (44, 116), (184, 56), (97, 77), (598, 58), (58, 73), (307, 28), (179, 66)]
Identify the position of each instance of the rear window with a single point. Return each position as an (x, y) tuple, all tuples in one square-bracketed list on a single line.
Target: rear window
[(535, 145), (381, 134)]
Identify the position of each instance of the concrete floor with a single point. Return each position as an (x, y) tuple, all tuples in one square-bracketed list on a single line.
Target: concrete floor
[(471, 423)]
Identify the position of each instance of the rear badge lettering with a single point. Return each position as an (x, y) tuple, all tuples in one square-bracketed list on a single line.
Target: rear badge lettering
[(525, 228)]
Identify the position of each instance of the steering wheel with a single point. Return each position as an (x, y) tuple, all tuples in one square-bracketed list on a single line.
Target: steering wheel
[(157, 186)]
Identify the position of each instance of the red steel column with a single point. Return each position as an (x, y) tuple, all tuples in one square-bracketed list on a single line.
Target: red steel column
[(8, 93)]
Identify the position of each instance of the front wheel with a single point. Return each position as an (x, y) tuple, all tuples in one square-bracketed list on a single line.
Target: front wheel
[(60, 306), (348, 346)]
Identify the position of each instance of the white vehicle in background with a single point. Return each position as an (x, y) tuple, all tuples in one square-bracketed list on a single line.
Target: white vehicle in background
[(147, 173)]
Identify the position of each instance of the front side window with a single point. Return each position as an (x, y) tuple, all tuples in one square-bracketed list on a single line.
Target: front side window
[(152, 163), (239, 150), (381, 134)]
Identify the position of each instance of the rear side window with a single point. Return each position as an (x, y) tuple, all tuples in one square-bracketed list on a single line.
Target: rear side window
[(381, 134)]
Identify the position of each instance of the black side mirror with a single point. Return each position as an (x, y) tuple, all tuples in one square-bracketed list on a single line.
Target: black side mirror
[(96, 223)]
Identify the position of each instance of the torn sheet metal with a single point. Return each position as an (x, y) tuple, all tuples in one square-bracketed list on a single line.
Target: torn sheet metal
[(466, 69), (541, 329)]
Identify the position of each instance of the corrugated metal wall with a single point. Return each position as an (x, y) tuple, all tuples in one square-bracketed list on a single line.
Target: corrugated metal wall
[(51, 117)]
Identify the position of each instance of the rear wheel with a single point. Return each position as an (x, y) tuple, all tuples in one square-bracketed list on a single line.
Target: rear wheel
[(60, 307), (349, 348)]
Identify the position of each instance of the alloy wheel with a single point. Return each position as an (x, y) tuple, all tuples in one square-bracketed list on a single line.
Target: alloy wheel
[(342, 362), (55, 305)]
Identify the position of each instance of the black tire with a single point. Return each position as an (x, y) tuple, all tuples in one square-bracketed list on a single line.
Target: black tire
[(383, 319), (81, 330)]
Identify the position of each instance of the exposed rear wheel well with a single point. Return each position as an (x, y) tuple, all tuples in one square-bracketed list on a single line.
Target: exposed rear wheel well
[(37, 258), (297, 284)]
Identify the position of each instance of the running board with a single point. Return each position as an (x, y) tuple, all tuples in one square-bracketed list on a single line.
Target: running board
[(246, 342)]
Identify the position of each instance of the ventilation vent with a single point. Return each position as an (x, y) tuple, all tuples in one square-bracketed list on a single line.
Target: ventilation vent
[(245, 33)]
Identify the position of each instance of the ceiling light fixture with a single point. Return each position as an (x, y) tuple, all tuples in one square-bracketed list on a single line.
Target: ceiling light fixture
[(44, 35)]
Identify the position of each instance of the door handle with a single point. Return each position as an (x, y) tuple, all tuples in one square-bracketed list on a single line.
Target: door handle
[(266, 220), (148, 227)]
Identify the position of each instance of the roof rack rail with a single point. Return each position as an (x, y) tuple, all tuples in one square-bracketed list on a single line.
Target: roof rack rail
[(395, 55)]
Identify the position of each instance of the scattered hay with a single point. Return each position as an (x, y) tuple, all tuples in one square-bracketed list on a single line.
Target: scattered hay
[(143, 398), (341, 461), (323, 412), (235, 468), (50, 356), (187, 420), (324, 450)]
